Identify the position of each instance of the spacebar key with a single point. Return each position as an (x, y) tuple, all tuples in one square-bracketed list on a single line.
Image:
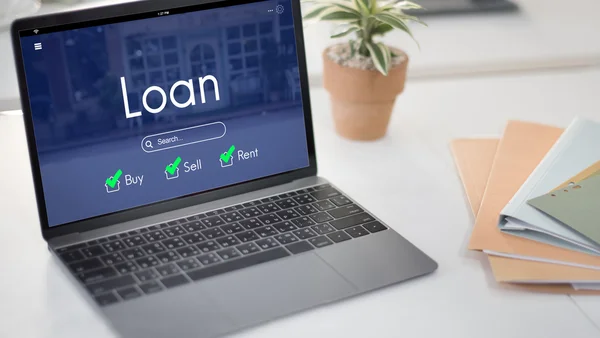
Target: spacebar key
[(240, 263), (351, 221)]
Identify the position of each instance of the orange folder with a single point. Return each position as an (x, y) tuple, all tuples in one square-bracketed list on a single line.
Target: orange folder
[(523, 146), (474, 159)]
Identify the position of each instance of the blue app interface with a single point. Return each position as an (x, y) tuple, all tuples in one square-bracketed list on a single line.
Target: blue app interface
[(132, 113)]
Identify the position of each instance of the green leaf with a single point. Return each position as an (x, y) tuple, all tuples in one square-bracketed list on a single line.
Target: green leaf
[(352, 48), (396, 23), (407, 5), (362, 6), (379, 57), (345, 32), (339, 15), (382, 29), (346, 8), (315, 11)]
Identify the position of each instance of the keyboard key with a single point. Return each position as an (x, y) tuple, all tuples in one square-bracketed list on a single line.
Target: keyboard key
[(269, 199), (285, 226), (321, 217), (106, 299), (113, 237), (227, 254), (303, 222), (323, 229), (188, 251), (351, 221), (267, 243), (266, 231), (129, 293), (146, 262), (175, 231), (208, 246), (340, 200), (247, 236), (112, 258), (344, 211), (194, 226), (188, 264), (212, 222), (322, 186), (374, 226), (324, 194), (324, 205), (166, 257), (133, 233), (320, 241), (215, 212), (167, 269), (268, 208), (102, 240), (174, 281), (288, 194), (194, 238), (213, 233), (250, 212), (286, 203), (125, 268), (357, 231), (269, 219), (251, 204), (113, 246), (304, 233), (239, 263), (133, 253), (286, 238), (150, 287), (339, 236), (208, 259), (154, 248), (93, 251), (146, 275), (134, 241), (72, 256), (248, 248), (234, 208), (228, 241), (287, 214), (97, 274), (303, 191), (172, 223), (232, 228), (299, 247), (306, 209), (154, 236), (231, 217), (177, 242), (304, 199), (251, 223), (110, 284)]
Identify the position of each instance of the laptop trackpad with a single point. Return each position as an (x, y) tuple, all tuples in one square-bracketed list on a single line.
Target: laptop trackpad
[(278, 288)]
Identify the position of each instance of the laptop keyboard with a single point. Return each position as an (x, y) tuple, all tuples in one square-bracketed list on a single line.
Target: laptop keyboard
[(152, 259)]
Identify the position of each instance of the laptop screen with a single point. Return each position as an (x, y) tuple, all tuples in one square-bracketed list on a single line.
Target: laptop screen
[(138, 111)]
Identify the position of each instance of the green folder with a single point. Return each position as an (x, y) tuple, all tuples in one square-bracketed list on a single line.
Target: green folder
[(576, 206)]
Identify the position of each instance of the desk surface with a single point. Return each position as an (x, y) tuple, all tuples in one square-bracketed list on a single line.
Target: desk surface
[(408, 180), (545, 34)]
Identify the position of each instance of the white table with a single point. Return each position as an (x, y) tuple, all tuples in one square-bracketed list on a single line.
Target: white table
[(544, 34), (408, 179)]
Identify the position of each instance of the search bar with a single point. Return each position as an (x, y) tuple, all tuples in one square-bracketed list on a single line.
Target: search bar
[(183, 137)]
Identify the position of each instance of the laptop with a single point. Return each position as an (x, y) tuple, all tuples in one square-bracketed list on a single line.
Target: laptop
[(173, 158)]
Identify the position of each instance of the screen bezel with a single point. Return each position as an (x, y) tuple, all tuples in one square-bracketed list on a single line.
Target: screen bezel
[(94, 16)]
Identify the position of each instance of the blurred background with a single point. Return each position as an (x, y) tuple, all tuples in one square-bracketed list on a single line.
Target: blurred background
[(464, 38)]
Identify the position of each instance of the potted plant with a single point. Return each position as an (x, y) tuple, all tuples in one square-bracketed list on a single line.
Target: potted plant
[(363, 76)]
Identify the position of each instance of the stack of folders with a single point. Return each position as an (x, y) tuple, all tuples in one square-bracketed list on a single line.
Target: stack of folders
[(535, 194)]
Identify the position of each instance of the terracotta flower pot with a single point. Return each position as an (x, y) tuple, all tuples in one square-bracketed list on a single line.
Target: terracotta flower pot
[(362, 100)]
